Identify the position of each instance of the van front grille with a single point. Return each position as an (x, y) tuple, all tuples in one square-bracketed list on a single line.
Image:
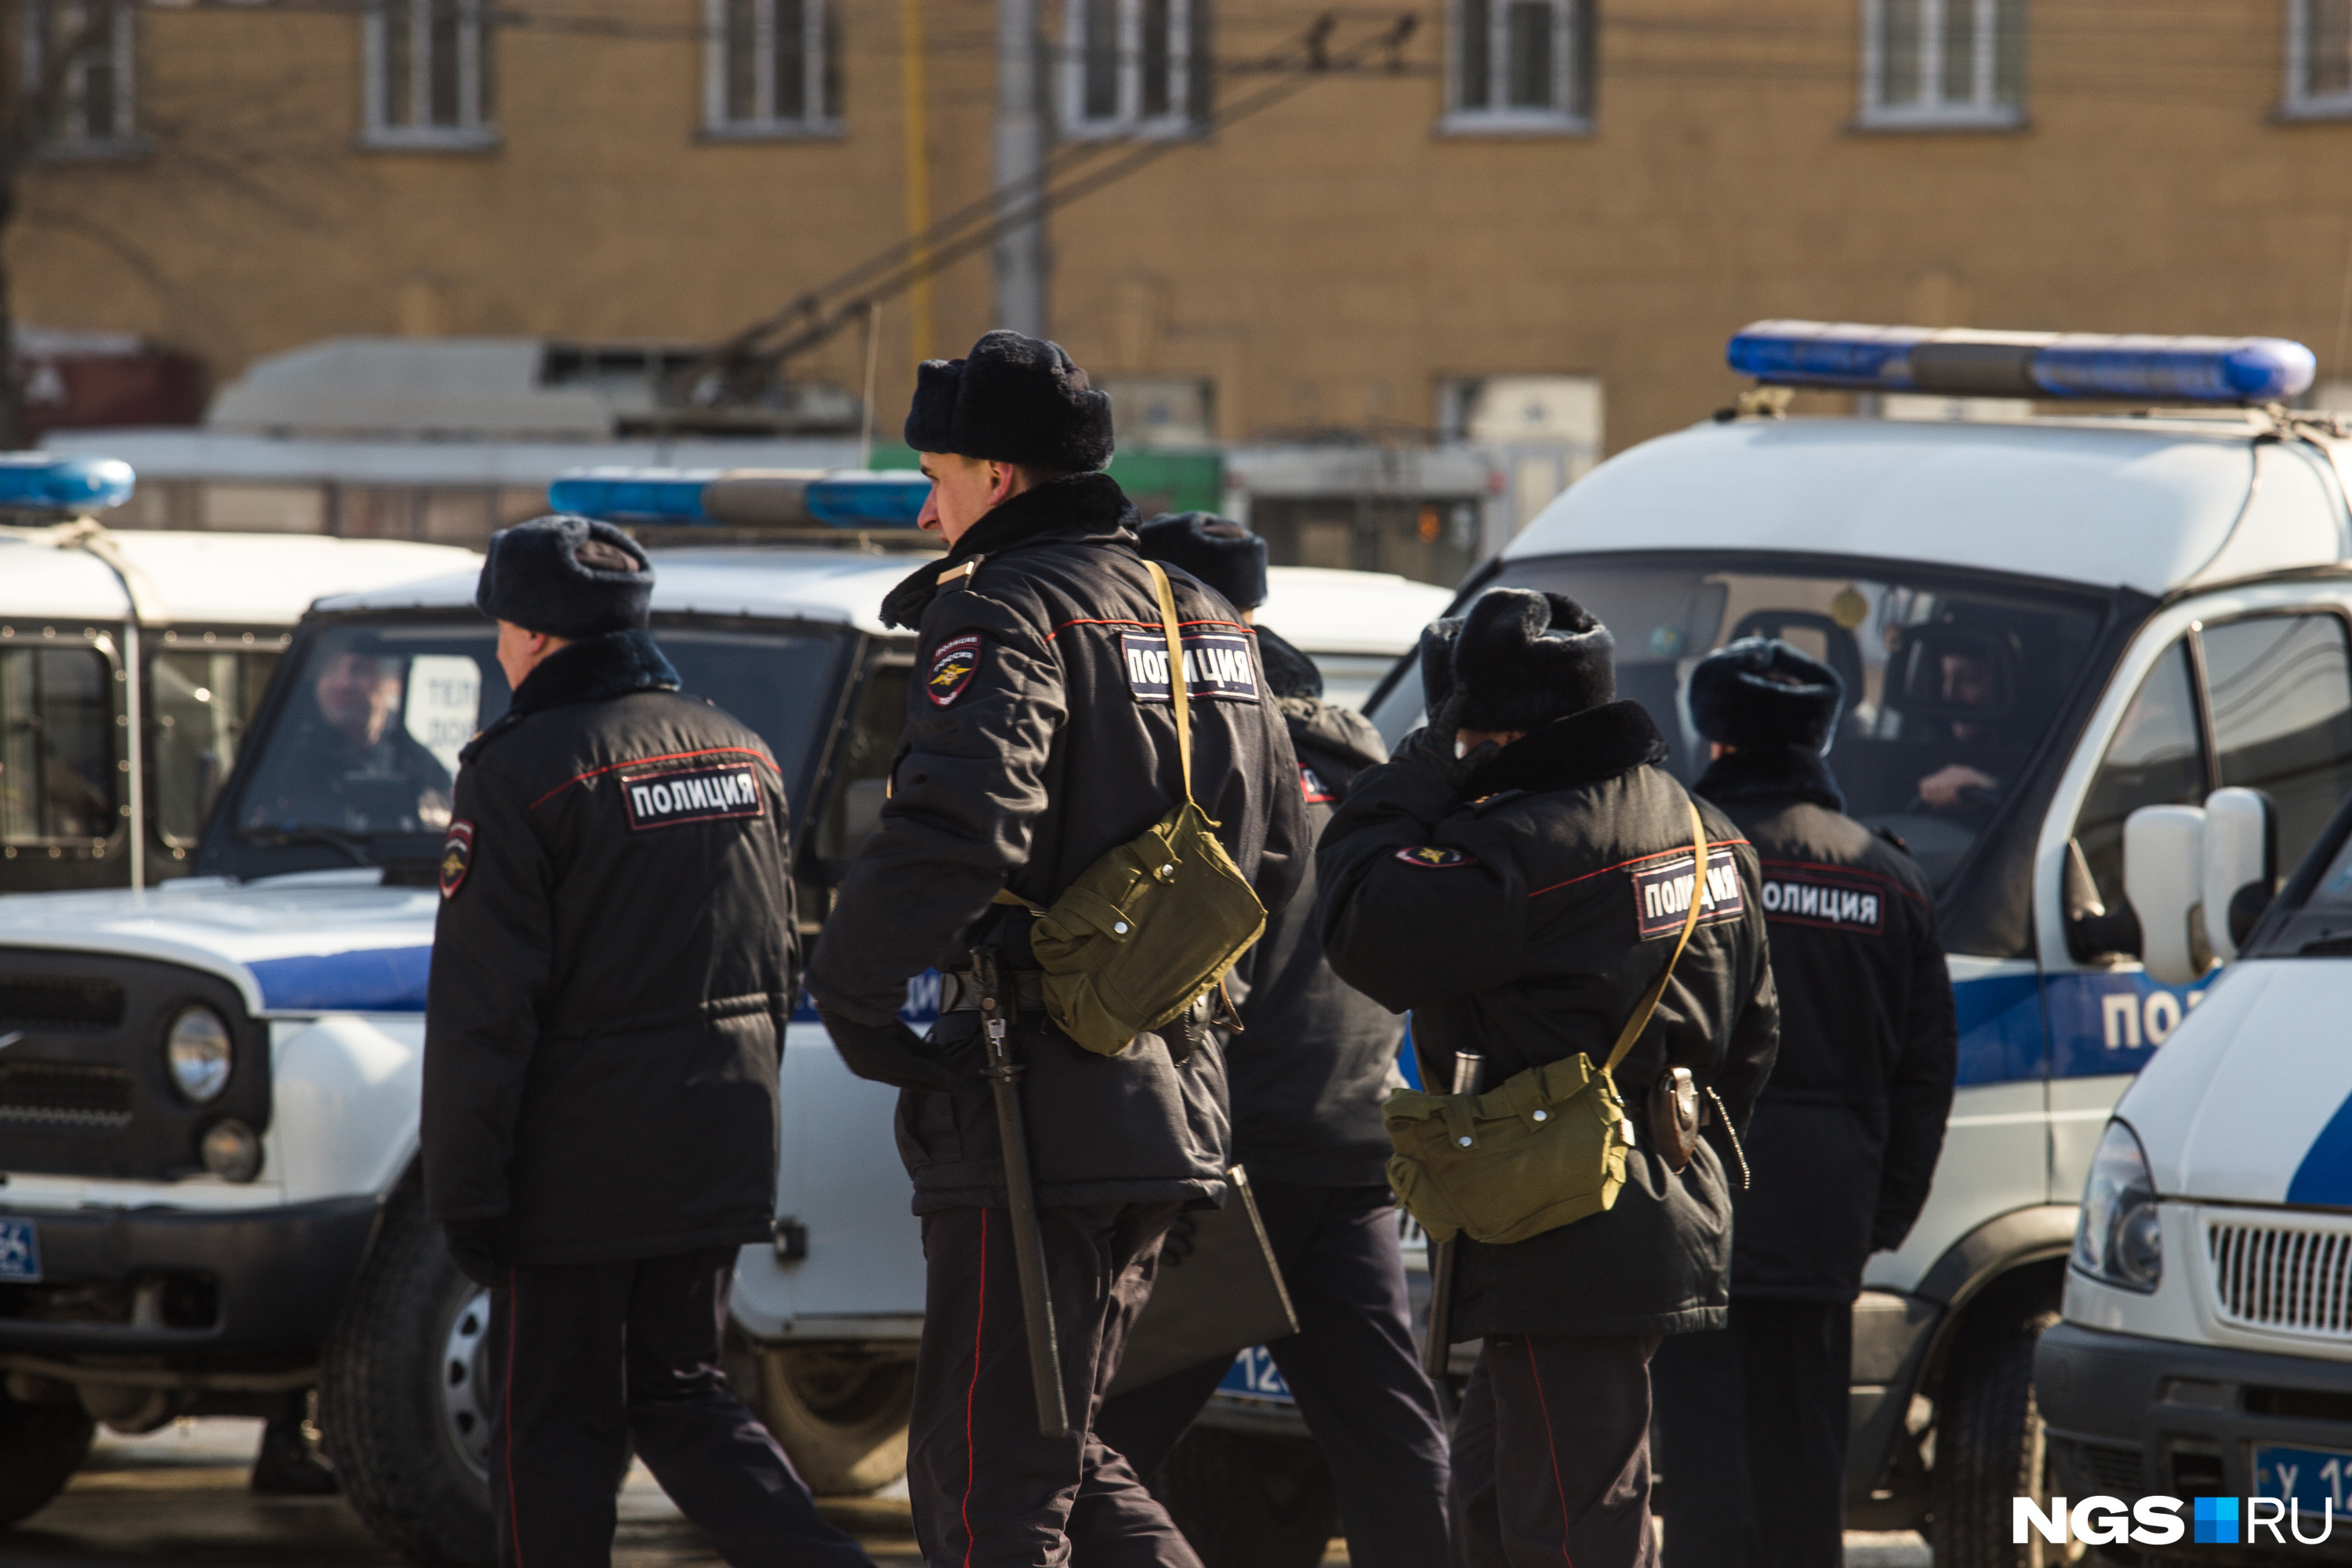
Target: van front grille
[(2292, 1277), (59, 1002), (63, 1095)]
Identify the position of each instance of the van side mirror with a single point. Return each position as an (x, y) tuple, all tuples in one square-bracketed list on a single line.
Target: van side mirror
[(2164, 867), (2241, 866)]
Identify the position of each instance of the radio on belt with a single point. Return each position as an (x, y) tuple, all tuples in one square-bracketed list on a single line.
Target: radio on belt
[(1961, 362)]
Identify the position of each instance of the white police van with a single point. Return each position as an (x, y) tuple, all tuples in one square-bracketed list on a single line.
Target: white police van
[(2043, 624), (208, 1091)]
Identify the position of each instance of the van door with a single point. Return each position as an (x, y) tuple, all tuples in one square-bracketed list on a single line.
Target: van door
[(2243, 693), (202, 691)]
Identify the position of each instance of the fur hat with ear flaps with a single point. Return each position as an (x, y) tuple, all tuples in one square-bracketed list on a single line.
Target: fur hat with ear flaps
[(1218, 550), (567, 576), (1760, 691), (1012, 400), (1517, 661)]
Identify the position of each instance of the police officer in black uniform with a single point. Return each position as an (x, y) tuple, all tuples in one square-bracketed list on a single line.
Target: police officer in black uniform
[(1491, 878), (612, 970), (1308, 1071), (1752, 1419), (1034, 744)]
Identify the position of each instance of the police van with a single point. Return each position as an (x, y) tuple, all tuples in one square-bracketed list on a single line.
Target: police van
[(2043, 624), (131, 666), (209, 1090)]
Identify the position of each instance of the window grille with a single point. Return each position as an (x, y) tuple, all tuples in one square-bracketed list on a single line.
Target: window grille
[(94, 109), (1520, 65), (428, 74), (771, 68), (1135, 67), (1943, 64)]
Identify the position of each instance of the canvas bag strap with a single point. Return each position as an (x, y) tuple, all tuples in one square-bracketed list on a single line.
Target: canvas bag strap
[(1649, 1003), (1176, 692)]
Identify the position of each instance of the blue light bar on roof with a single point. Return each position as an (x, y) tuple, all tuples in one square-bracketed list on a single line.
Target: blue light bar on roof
[(634, 495), (39, 482), (749, 497), (887, 498), (1959, 363)]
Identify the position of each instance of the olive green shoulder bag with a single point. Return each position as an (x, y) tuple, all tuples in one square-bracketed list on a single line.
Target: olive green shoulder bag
[(1542, 1149), (1146, 931)]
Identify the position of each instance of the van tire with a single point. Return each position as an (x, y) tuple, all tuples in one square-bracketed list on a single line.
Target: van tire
[(1246, 1500), (41, 1446), (382, 1409), (1989, 1442), (840, 1414)]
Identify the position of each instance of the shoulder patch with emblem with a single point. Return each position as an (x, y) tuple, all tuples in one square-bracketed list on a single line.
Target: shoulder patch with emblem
[(1661, 893), (1437, 858), (954, 664), (1318, 792), (694, 794), (1217, 665), (456, 857)]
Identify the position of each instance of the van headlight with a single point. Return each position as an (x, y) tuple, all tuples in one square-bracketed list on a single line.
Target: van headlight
[(2119, 1239), (198, 1051)]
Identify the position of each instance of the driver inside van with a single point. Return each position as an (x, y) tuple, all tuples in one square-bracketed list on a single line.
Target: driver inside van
[(1966, 682), (350, 764)]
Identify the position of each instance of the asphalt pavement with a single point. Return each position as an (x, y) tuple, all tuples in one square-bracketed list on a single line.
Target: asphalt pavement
[(177, 1499)]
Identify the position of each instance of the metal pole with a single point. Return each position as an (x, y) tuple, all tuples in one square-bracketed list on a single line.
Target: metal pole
[(916, 131), (1020, 154)]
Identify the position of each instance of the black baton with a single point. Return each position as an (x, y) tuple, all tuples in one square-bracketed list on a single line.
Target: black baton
[(1439, 1351), (996, 1010)]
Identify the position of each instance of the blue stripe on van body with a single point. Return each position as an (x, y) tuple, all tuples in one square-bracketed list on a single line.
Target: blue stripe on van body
[(2324, 1176), (2103, 1024), (371, 980), (2001, 1028)]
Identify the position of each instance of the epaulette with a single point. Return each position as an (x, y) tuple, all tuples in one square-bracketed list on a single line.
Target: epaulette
[(1892, 837), (958, 577), (1487, 802)]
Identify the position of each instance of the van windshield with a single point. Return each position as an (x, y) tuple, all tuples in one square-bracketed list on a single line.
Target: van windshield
[(358, 757), (1951, 681)]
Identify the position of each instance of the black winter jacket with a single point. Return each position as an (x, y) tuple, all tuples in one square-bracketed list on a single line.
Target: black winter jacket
[(1310, 1066), (1509, 912), (612, 969), (1844, 1140), (1034, 744)]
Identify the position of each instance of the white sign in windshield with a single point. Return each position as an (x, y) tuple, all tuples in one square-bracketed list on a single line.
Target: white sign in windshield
[(445, 700)]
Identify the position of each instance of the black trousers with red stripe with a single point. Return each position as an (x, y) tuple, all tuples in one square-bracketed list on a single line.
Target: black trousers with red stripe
[(988, 1490), (1551, 1455), (584, 1359)]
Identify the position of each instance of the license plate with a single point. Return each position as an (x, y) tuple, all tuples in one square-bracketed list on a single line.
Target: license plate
[(1254, 1377), (2316, 1479), (20, 1251)]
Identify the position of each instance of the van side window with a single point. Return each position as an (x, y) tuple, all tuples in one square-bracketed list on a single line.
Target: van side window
[(200, 705), (57, 763), (2157, 758), (2281, 693), (851, 809)]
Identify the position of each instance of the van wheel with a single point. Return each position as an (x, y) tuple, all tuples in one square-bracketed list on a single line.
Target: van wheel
[(41, 1446), (839, 1414), (1989, 1442), (1249, 1501), (399, 1396)]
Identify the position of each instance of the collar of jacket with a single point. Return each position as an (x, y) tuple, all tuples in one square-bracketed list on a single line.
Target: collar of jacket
[(1772, 773), (1581, 748), (1314, 721), (590, 670), (1079, 507)]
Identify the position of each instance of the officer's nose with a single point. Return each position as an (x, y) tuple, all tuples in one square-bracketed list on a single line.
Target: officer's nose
[(929, 517)]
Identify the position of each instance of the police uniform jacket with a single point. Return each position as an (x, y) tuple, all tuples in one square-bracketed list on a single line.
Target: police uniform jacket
[(1310, 1066), (1039, 735), (612, 967), (1845, 1137), (1521, 912)]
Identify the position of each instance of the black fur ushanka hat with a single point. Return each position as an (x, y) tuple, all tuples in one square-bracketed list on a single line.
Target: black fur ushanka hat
[(1218, 550), (567, 576), (1516, 661), (1760, 691), (1012, 400)]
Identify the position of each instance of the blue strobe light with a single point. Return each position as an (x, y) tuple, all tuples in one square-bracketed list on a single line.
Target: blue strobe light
[(37, 481), (888, 498), (633, 495), (1959, 363)]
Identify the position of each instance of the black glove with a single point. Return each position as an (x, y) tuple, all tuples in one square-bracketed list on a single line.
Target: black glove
[(478, 1248), (1177, 1245), (888, 1053)]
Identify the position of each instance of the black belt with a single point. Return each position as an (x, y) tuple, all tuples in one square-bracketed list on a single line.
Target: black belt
[(957, 994)]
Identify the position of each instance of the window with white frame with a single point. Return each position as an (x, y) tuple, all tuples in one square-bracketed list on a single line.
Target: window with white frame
[(2318, 57), (771, 67), (1135, 67), (80, 53), (1933, 64), (1520, 65), (428, 77)]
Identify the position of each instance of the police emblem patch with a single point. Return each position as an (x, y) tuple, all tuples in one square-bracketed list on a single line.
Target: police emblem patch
[(1436, 858), (952, 667), (1318, 792), (456, 857), (1661, 893)]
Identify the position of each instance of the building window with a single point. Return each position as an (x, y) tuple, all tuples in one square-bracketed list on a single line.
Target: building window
[(1135, 67), (771, 67), (92, 107), (428, 74), (1943, 64), (1520, 65), (2318, 57)]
